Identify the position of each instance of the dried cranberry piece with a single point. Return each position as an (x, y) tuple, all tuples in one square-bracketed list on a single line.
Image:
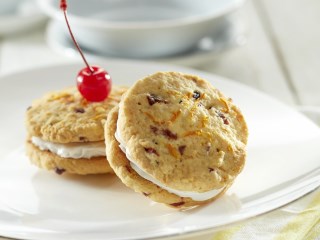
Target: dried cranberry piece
[(59, 171), (79, 110), (182, 149), (208, 147), (151, 150), (82, 139), (170, 135), (128, 168), (154, 129), (223, 117), (177, 204), (165, 132), (152, 99)]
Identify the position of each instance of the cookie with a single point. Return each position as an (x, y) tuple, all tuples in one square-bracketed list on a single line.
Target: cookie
[(50, 161), (184, 141), (122, 168), (65, 116), (66, 132)]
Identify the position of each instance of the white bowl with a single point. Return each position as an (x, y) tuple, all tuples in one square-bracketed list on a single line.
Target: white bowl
[(7, 7), (143, 28)]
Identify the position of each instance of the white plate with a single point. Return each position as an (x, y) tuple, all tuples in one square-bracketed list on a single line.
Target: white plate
[(232, 35), (19, 16), (282, 165)]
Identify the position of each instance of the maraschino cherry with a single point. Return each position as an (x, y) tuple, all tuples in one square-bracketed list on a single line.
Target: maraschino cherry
[(94, 83)]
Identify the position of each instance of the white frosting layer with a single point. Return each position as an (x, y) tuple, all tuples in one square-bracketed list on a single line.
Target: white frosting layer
[(196, 196), (72, 150)]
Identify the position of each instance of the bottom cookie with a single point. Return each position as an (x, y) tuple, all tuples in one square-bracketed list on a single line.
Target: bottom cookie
[(122, 168), (50, 161)]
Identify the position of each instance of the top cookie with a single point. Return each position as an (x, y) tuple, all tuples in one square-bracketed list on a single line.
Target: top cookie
[(65, 116), (183, 132)]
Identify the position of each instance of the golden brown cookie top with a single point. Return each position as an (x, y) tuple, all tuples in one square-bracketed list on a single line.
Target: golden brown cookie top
[(122, 168), (183, 132), (65, 116)]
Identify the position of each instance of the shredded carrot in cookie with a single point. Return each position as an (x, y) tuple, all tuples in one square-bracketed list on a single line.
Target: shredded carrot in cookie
[(224, 101), (175, 115), (84, 102), (173, 92), (193, 133), (153, 119), (172, 150), (204, 121), (100, 116), (67, 100)]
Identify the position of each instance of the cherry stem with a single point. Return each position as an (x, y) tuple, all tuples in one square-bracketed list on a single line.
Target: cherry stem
[(63, 6)]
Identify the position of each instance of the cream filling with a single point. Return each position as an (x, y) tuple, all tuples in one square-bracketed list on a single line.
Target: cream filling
[(196, 196), (72, 150)]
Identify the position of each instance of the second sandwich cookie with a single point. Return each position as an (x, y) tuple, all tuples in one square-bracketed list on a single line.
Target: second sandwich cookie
[(176, 139)]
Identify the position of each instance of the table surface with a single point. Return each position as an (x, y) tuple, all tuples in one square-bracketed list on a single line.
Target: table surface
[(281, 56)]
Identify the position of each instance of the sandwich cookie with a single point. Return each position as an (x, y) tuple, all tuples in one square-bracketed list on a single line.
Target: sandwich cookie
[(65, 132), (176, 139)]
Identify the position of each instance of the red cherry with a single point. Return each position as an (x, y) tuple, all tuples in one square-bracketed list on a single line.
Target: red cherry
[(94, 86), (94, 83)]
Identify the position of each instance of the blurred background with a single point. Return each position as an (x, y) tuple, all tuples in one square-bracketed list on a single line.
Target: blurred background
[(268, 45)]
